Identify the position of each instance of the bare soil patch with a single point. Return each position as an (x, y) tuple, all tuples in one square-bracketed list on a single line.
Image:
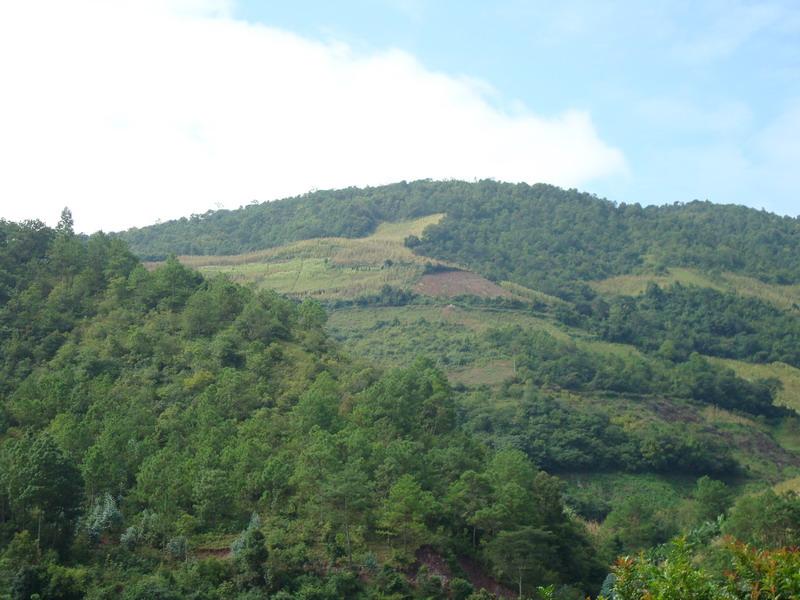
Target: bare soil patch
[(479, 579), (219, 553), (459, 283)]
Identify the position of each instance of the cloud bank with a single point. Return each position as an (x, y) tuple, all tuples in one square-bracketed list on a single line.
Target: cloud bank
[(132, 112)]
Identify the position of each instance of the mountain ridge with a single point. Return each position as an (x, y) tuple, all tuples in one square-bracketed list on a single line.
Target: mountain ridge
[(529, 232)]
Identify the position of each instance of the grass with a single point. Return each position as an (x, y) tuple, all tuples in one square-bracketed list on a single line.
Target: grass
[(492, 373), (328, 268), (789, 377), (529, 294), (783, 296), (790, 485)]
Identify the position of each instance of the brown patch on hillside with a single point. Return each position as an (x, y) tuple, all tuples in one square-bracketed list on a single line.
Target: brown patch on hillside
[(481, 581), (437, 565), (760, 444), (492, 373), (674, 412), (218, 553), (459, 283)]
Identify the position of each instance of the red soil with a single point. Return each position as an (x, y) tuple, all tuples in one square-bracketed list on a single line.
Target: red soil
[(458, 283)]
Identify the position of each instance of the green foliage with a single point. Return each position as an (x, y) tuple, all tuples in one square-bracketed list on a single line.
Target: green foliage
[(44, 488), (406, 511), (154, 412), (749, 574), (539, 236), (680, 320), (712, 497), (250, 555), (766, 520), (173, 407)]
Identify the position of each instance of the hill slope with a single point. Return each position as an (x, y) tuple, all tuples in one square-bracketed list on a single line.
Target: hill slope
[(361, 469), (539, 236)]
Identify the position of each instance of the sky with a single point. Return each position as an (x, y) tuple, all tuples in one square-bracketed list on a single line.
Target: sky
[(133, 112)]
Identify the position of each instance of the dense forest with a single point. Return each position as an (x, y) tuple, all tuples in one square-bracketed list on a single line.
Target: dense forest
[(537, 235), (165, 434), (144, 409)]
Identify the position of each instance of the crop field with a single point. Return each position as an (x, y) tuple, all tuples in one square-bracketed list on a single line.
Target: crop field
[(459, 283), (328, 268)]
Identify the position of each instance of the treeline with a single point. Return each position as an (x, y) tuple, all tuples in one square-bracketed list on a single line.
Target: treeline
[(155, 420), (679, 320), (547, 361), (350, 212), (569, 439), (538, 235)]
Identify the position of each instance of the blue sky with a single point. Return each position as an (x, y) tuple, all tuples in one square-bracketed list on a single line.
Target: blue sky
[(691, 92), (134, 112), (703, 98)]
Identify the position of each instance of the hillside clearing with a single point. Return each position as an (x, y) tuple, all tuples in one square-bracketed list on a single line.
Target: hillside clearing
[(459, 283), (788, 395), (328, 268), (782, 296)]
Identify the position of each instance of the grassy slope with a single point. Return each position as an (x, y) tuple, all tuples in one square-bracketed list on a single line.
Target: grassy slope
[(783, 296), (788, 376), (328, 268)]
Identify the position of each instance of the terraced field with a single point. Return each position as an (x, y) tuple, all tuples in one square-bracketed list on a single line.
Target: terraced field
[(328, 268)]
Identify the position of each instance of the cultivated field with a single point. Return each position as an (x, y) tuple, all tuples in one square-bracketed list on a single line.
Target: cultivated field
[(328, 268), (459, 283)]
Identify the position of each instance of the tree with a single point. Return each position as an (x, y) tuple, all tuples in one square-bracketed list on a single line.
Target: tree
[(250, 554), (524, 555), (346, 493), (65, 223), (45, 489), (466, 497), (713, 498), (319, 405), (405, 512)]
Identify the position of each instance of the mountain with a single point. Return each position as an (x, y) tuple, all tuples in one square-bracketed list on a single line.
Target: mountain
[(414, 391), (539, 236)]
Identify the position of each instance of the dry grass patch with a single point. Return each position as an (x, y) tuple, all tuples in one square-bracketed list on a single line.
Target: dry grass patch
[(717, 416), (782, 296), (493, 373), (459, 283), (328, 268), (788, 375)]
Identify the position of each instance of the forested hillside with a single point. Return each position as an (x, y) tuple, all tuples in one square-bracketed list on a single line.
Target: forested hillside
[(540, 236), (418, 432), (153, 417)]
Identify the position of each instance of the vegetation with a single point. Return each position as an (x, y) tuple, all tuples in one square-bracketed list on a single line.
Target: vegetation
[(699, 566), (236, 414), (539, 236), (681, 320), (328, 269), (424, 433)]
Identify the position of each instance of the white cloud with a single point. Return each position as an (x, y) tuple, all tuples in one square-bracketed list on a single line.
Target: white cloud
[(130, 112)]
